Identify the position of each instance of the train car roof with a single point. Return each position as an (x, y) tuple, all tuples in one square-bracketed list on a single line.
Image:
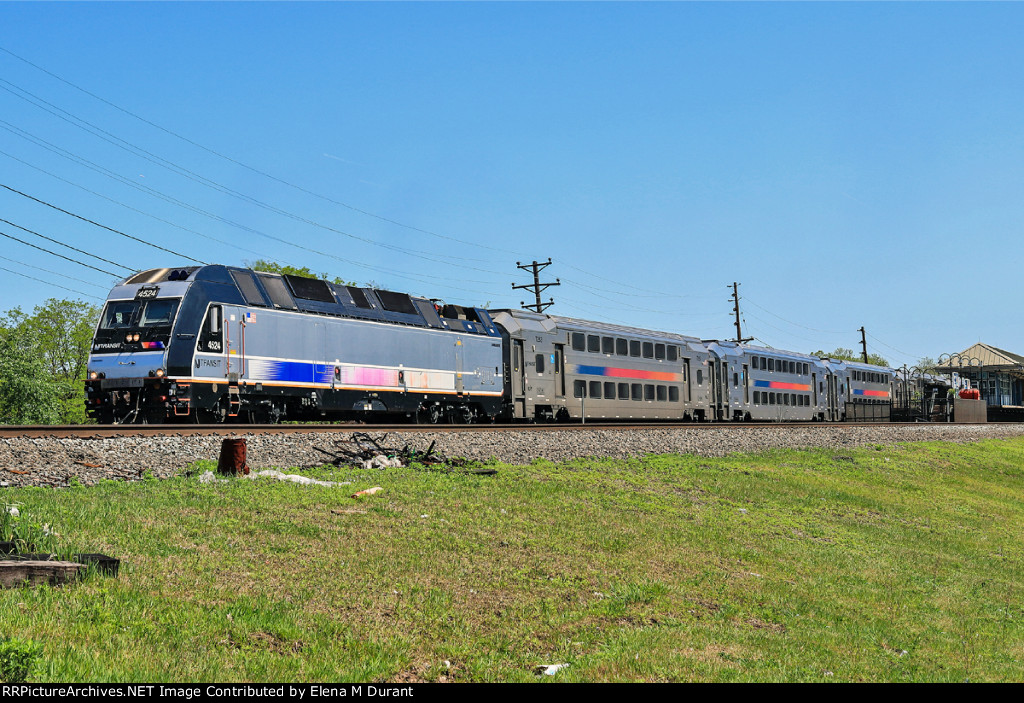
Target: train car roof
[(527, 319)]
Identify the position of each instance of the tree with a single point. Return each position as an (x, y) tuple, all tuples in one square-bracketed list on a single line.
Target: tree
[(304, 272), (48, 354), (28, 394), (850, 355)]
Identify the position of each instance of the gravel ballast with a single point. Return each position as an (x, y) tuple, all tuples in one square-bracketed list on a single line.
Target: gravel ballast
[(51, 461)]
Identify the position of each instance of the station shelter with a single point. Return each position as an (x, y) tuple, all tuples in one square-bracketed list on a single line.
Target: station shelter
[(996, 373)]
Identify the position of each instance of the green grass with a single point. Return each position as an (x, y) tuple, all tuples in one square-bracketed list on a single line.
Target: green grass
[(879, 564)]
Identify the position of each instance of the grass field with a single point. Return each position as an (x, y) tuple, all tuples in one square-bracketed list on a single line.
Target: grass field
[(880, 564)]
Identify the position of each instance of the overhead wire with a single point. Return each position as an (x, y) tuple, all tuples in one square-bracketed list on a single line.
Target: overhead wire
[(248, 167), (99, 169), (55, 273), (68, 246), (133, 209), (140, 152), (51, 283), (102, 226), (53, 253), (795, 324)]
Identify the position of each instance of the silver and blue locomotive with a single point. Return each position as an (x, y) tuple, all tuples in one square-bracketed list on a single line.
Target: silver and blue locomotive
[(216, 343)]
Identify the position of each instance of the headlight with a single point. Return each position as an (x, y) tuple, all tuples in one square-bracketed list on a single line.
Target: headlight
[(135, 337), (93, 375)]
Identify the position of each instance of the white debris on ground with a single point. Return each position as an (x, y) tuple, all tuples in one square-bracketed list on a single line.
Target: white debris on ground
[(209, 477), (381, 462), (295, 478)]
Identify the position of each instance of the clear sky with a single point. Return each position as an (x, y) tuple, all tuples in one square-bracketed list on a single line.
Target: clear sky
[(847, 164)]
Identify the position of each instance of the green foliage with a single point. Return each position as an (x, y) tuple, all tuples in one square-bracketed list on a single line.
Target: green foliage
[(28, 394), (43, 359), (304, 272), (28, 534), (18, 659), (850, 355)]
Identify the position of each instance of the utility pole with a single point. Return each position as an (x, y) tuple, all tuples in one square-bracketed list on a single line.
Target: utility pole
[(537, 287), (736, 309), (863, 345)]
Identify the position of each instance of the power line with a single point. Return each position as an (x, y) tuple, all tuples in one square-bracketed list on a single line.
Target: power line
[(97, 224), (248, 167), (795, 324), (53, 253), (909, 356), (55, 273), (68, 246), (136, 150), (50, 283), (133, 209), (99, 169)]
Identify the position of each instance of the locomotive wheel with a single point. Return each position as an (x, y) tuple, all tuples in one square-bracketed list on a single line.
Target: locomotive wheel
[(428, 415)]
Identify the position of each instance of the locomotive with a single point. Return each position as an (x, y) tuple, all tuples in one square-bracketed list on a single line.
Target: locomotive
[(214, 343)]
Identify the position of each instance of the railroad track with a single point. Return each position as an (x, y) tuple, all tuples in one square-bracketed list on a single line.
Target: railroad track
[(102, 431)]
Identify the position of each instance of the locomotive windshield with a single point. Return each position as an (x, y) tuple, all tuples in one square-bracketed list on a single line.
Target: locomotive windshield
[(135, 313), (118, 315), (158, 313)]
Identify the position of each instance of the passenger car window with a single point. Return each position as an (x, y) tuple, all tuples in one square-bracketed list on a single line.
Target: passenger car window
[(578, 342), (648, 350), (607, 345), (593, 343), (621, 347), (634, 348), (659, 351)]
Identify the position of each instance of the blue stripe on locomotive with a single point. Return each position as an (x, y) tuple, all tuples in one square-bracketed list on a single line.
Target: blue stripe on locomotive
[(288, 371)]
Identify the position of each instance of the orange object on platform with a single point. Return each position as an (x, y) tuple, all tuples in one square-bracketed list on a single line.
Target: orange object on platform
[(970, 394)]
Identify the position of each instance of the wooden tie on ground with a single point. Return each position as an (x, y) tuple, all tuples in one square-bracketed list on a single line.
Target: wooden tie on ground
[(33, 573)]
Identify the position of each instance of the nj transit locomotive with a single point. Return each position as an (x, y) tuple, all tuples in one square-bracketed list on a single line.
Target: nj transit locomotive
[(217, 343)]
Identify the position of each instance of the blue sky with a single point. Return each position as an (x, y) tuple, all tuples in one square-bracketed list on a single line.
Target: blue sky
[(848, 164)]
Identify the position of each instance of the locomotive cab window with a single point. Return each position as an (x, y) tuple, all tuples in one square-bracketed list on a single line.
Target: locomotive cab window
[(211, 337), (159, 313), (119, 315)]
